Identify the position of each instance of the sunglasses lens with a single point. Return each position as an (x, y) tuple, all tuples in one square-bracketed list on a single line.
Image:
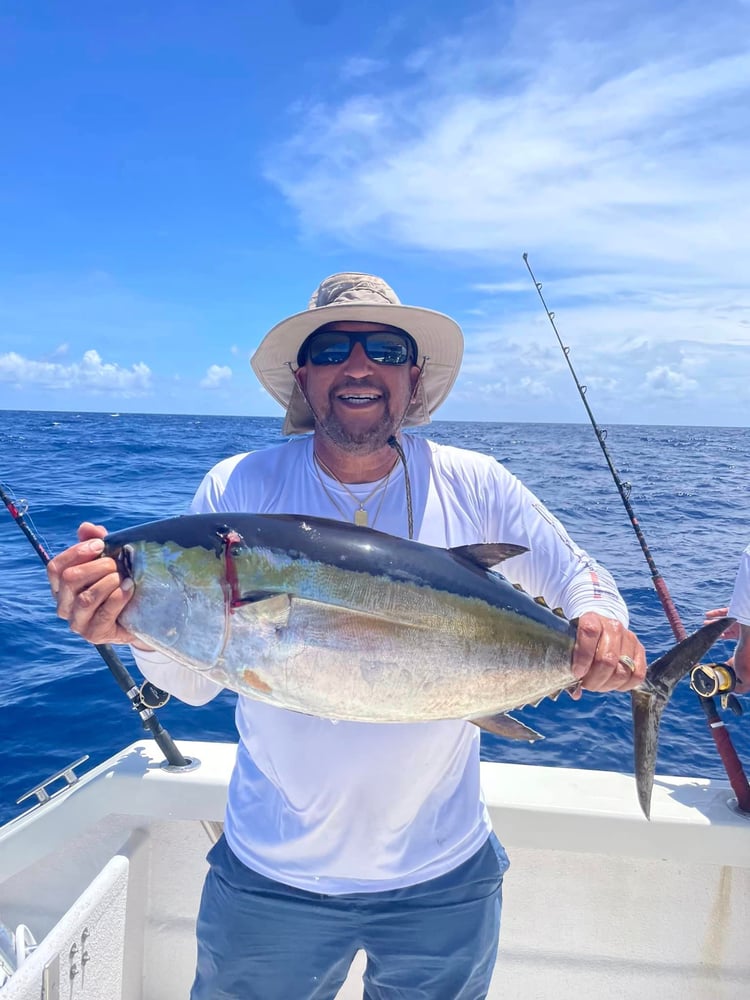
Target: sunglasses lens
[(329, 348), (387, 348), (333, 347)]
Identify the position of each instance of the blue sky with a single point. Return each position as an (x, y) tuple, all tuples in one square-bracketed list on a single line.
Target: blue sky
[(177, 177)]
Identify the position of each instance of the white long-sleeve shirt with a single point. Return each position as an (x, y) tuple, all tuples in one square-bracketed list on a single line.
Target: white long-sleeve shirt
[(739, 606), (336, 807)]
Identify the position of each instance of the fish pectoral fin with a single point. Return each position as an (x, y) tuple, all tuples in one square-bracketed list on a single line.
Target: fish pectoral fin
[(263, 606), (488, 554), (341, 617), (255, 596), (507, 727)]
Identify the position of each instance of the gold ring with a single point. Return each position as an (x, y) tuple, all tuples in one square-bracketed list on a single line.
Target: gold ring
[(628, 662)]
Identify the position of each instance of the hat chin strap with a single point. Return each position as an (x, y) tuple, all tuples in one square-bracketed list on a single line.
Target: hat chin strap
[(417, 405)]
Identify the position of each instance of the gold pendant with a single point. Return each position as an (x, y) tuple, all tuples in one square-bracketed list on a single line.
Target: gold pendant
[(360, 517)]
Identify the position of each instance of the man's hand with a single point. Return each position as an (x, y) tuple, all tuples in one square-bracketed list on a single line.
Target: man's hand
[(88, 589), (741, 659), (733, 632), (606, 656)]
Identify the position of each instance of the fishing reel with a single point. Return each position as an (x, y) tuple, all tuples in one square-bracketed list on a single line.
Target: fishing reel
[(711, 679), (151, 696)]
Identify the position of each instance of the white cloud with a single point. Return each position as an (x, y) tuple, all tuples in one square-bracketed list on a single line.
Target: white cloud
[(606, 138), (90, 374), (665, 381), (215, 377)]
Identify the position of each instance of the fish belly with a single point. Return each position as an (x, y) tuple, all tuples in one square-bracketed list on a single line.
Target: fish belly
[(346, 664)]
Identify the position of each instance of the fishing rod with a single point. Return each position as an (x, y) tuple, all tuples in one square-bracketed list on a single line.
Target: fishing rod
[(706, 680), (144, 698)]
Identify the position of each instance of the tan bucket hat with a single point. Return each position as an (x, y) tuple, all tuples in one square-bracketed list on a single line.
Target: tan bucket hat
[(366, 299)]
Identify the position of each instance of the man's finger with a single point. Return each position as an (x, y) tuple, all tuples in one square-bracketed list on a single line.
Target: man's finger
[(88, 530), (83, 552), (595, 657), (95, 613), (80, 577), (587, 639)]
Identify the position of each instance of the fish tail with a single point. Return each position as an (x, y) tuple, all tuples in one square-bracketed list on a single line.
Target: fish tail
[(651, 697)]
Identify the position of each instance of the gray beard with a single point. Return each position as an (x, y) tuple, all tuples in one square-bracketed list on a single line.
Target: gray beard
[(362, 442)]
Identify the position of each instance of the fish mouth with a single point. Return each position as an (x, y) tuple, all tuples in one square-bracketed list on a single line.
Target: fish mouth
[(124, 557)]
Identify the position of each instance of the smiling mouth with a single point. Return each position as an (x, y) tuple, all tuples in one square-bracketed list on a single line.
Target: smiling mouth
[(358, 398)]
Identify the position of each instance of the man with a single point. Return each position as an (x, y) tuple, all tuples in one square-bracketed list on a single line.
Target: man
[(739, 608), (340, 836)]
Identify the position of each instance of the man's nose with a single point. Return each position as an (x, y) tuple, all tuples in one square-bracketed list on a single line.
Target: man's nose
[(358, 364)]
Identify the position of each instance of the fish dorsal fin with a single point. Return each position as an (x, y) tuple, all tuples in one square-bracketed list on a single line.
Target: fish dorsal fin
[(488, 554), (507, 727)]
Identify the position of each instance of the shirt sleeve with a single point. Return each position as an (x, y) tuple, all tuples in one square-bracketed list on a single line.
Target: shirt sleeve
[(555, 567), (739, 606), (187, 685)]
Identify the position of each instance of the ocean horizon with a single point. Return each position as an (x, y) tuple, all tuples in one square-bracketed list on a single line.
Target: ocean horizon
[(688, 486), (438, 421)]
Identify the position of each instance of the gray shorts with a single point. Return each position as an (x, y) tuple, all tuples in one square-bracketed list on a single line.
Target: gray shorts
[(262, 940)]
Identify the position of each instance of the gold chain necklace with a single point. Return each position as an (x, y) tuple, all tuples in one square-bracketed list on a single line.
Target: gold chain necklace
[(360, 514)]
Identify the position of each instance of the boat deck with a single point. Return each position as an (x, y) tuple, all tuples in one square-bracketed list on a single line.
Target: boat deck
[(598, 902)]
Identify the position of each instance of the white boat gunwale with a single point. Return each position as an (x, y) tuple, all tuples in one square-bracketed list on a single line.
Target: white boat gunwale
[(597, 898)]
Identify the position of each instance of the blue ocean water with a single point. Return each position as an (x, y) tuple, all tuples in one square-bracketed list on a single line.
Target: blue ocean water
[(58, 700)]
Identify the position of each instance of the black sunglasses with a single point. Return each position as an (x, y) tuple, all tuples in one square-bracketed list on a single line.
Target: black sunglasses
[(333, 347)]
